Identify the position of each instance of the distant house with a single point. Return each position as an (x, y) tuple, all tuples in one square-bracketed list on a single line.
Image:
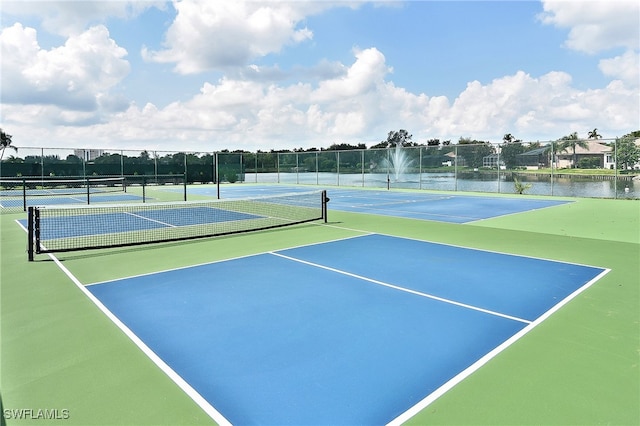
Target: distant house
[(598, 154), (450, 159), (492, 160), (535, 159), (88, 154)]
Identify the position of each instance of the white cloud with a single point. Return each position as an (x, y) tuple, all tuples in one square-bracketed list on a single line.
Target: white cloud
[(67, 17), (364, 75), (598, 27), (220, 34), (237, 114), (66, 93), (76, 76), (543, 108), (595, 26), (625, 67)]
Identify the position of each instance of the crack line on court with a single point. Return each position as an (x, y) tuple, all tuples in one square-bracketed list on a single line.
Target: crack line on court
[(406, 290)]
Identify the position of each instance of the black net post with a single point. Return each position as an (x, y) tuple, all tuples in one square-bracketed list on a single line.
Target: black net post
[(30, 234), (325, 201), (36, 229), (185, 186), (217, 176), (88, 191)]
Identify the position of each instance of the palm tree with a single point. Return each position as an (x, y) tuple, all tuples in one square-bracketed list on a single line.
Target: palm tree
[(509, 138), (594, 134), (571, 141), (5, 143)]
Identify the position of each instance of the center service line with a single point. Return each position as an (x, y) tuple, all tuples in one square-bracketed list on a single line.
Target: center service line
[(395, 287)]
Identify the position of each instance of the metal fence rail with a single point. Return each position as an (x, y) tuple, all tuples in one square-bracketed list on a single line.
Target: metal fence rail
[(589, 168)]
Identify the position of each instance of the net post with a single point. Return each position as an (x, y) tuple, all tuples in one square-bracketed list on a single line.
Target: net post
[(88, 191), (144, 186), (325, 201), (217, 176), (185, 185), (36, 229), (30, 234)]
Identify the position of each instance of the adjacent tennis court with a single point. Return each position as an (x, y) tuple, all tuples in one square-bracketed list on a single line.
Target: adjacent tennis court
[(51, 198), (367, 319), (442, 207), (18, 195)]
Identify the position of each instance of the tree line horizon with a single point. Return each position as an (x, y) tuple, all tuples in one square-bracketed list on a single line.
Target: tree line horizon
[(115, 162)]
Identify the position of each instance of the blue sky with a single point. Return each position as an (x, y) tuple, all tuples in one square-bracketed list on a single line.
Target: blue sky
[(271, 75)]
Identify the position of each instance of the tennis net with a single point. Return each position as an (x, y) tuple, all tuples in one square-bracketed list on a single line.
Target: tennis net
[(17, 194), (70, 228)]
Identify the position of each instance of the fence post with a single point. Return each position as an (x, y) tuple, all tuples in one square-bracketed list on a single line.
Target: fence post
[(24, 194)]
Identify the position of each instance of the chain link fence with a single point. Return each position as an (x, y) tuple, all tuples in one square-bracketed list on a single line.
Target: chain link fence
[(580, 168)]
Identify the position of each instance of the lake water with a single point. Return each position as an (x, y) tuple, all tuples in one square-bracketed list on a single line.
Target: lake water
[(481, 182)]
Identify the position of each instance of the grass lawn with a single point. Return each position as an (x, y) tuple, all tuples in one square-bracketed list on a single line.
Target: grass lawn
[(580, 366)]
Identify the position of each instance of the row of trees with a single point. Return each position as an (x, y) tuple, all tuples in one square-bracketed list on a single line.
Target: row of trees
[(236, 162)]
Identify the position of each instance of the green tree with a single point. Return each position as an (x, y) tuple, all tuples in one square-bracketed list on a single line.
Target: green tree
[(5, 143), (627, 152), (510, 149), (571, 142), (509, 154), (519, 186), (594, 134), (400, 137), (345, 147), (473, 151), (509, 138)]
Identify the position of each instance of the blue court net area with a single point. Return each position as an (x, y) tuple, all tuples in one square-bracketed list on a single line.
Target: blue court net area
[(438, 207), (442, 207), (136, 219), (13, 203), (17, 195), (69, 228), (355, 331)]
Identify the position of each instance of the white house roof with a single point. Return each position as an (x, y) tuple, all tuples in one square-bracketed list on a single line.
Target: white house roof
[(593, 148)]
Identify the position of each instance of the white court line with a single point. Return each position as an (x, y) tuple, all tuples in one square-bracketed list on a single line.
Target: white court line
[(175, 377), (417, 215), (461, 246), (406, 290), (429, 399), (151, 220), (223, 260)]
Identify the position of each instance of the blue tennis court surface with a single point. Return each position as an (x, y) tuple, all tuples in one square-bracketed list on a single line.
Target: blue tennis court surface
[(115, 222), (355, 331), (444, 207), (438, 207), (63, 200)]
